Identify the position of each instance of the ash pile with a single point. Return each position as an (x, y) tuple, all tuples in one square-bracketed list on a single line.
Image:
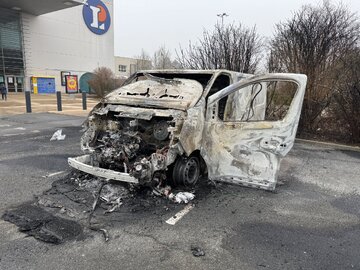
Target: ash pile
[(80, 203), (94, 200), (79, 194)]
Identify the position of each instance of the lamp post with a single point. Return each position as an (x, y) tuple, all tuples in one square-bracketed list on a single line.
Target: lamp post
[(222, 15)]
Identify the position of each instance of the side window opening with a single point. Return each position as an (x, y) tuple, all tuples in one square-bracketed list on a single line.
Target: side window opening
[(279, 98), (265, 101), (220, 82)]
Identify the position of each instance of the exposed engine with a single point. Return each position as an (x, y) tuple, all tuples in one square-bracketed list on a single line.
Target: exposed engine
[(135, 146)]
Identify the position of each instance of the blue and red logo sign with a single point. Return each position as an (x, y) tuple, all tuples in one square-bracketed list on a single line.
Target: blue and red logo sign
[(96, 16)]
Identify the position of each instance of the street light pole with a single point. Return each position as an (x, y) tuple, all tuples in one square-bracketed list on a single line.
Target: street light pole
[(222, 17)]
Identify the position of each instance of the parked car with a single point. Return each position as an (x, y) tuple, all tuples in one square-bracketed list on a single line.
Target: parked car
[(175, 125)]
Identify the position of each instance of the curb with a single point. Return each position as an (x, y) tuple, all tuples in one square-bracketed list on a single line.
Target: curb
[(338, 146)]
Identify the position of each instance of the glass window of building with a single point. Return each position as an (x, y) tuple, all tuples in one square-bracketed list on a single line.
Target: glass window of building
[(122, 68), (11, 52)]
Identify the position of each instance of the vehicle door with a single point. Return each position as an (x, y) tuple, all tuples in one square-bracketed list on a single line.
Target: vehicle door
[(244, 141)]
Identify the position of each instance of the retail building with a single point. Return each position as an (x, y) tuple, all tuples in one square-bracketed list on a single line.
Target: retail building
[(43, 41)]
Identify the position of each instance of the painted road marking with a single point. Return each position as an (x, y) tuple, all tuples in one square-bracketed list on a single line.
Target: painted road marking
[(53, 174), (20, 128), (6, 125), (179, 215)]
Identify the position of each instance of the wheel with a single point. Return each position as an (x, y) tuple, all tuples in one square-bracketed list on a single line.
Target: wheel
[(186, 171)]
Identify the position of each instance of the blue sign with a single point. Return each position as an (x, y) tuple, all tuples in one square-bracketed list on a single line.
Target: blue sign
[(46, 85), (96, 16)]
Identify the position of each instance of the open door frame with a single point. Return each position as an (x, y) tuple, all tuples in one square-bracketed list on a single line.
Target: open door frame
[(249, 153)]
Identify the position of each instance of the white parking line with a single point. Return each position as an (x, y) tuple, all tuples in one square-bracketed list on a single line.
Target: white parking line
[(20, 128), (6, 125), (53, 174), (179, 215)]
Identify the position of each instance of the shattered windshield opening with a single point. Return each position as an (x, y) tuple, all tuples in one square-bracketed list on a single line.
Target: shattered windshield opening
[(203, 79)]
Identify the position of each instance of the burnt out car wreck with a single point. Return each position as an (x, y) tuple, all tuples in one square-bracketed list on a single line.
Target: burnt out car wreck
[(172, 126)]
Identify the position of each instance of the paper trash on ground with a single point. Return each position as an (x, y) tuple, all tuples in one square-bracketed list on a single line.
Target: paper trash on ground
[(58, 136)]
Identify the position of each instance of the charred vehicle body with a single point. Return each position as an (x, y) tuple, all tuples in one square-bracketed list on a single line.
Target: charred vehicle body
[(175, 125)]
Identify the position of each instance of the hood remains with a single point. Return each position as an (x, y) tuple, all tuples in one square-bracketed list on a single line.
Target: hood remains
[(175, 94)]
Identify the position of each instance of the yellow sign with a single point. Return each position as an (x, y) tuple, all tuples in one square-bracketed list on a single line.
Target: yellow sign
[(71, 83)]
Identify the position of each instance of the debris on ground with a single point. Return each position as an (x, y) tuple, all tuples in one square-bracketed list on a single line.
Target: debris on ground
[(197, 251), (58, 136), (112, 195), (182, 197), (80, 203), (42, 225)]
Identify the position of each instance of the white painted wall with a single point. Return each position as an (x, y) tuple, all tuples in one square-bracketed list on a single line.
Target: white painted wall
[(60, 41), (132, 65), (126, 61)]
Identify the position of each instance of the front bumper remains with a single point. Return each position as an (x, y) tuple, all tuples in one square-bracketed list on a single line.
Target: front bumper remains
[(82, 163)]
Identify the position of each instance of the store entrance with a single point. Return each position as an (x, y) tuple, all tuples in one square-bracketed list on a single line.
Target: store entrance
[(14, 83)]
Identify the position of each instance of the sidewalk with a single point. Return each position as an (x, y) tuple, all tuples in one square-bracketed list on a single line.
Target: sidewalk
[(71, 104)]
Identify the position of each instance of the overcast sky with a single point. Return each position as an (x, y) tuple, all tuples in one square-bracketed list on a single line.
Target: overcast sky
[(149, 24)]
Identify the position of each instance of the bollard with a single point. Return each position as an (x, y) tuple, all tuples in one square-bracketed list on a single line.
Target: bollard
[(28, 101), (58, 98), (84, 100)]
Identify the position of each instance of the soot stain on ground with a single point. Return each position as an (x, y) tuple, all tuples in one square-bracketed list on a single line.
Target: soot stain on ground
[(79, 203), (35, 221)]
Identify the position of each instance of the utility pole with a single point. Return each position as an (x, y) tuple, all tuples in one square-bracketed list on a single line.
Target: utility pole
[(222, 17)]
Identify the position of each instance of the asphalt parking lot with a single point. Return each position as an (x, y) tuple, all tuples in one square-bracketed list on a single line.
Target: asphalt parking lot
[(311, 221)]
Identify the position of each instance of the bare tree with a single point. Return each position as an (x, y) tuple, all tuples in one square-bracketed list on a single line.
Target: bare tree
[(346, 107), (312, 42), (162, 58), (143, 61), (232, 47), (103, 81)]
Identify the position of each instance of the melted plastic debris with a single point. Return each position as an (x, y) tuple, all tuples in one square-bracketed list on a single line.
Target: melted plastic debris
[(58, 136), (43, 225)]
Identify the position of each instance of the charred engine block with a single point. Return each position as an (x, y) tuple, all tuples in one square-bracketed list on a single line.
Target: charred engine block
[(135, 146)]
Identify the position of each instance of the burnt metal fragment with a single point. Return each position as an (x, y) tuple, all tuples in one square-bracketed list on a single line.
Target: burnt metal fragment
[(197, 251)]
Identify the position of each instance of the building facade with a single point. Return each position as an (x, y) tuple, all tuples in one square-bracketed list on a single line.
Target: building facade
[(43, 41), (126, 66)]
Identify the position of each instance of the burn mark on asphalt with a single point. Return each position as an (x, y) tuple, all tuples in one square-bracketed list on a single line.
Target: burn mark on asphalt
[(35, 221), (79, 203)]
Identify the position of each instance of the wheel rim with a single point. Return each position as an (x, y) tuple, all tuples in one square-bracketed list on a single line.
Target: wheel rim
[(191, 171)]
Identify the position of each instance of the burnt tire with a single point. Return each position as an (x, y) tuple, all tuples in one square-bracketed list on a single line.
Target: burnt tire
[(186, 171)]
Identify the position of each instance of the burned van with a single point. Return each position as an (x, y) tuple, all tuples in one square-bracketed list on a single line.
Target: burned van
[(172, 126)]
